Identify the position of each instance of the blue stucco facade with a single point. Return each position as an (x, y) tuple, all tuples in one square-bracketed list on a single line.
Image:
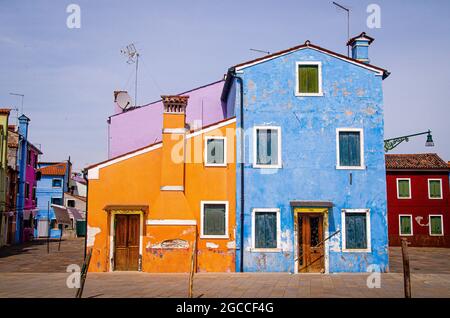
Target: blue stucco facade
[(45, 193), (352, 98)]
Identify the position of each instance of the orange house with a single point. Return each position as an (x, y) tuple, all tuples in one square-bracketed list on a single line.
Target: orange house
[(147, 208)]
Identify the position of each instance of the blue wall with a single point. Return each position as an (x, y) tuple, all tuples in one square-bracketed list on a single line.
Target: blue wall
[(352, 98), (44, 193)]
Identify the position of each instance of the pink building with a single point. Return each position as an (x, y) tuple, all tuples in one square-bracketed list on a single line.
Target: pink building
[(140, 126)]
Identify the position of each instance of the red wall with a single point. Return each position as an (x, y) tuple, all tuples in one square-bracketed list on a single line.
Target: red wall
[(418, 205)]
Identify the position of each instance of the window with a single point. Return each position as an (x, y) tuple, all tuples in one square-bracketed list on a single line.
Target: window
[(215, 151), (57, 201), (436, 225), (29, 157), (71, 203), (435, 188), (403, 188), (350, 148), (356, 230), (33, 195), (267, 147), (266, 229), (309, 79), (27, 190), (214, 219), (56, 183), (405, 224)]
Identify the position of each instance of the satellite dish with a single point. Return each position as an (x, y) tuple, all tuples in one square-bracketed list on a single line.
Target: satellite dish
[(123, 100)]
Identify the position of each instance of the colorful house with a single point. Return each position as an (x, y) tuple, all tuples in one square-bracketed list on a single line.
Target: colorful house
[(12, 186), (50, 190), (150, 208), (311, 191), (27, 168), (4, 214), (418, 199)]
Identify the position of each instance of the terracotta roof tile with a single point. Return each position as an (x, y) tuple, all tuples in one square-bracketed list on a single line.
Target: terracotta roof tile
[(415, 161), (58, 169)]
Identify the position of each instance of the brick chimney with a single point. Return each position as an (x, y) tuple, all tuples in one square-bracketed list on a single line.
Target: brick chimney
[(173, 139), (360, 47)]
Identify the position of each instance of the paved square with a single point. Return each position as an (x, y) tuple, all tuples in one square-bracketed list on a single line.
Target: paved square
[(28, 271)]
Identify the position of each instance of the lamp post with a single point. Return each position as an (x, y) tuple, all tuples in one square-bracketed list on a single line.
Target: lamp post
[(390, 144)]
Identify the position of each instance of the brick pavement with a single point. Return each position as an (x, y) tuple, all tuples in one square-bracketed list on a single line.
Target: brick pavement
[(28, 271)]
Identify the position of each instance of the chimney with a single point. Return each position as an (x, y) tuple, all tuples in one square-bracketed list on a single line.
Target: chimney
[(173, 139), (360, 47)]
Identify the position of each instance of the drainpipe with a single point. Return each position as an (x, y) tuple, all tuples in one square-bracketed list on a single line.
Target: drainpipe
[(86, 214), (241, 109)]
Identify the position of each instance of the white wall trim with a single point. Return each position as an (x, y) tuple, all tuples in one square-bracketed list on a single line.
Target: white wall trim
[(262, 166), (205, 152), (442, 224), (253, 247), (171, 222), (429, 188), (400, 224), (93, 173), (361, 149), (202, 205), (172, 188), (368, 231), (398, 188), (296, 91)]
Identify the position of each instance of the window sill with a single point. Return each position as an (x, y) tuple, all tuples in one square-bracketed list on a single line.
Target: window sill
[(436, 234), (266, 250), (435, 198), (351, 167), (215, 165), (257, 166), (308, 94), (357, 250), (404, 198), (406, 234), (214, 236)]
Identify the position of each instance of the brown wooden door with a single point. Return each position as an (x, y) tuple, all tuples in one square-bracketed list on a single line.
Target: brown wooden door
[(310, 245), (126, 251)]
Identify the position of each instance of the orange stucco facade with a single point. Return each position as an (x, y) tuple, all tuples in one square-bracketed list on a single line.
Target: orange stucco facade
[(165, 184)]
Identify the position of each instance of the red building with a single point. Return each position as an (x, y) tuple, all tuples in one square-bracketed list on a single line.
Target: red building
[(418, 199)]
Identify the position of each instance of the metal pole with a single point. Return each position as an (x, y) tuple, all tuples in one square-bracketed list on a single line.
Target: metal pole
[(348, 23), (406, 272), (136, 80)]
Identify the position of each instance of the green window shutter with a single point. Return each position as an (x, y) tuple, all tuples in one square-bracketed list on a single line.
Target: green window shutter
[(308, 78), (435, 189), (214, 219), (435, 224), (215, 151), (403, 188), (355, 231), (405, 225), (349, 149), (267, 146), (265, 229)]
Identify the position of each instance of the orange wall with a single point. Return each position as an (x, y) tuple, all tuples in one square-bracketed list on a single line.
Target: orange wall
[(137, 181)]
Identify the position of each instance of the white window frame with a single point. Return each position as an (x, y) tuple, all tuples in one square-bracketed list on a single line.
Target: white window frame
[(202, 211), (361, 150), (368, 228), (297, 92), (400, 225), (59, 180), (442, 224), (224, 164), (429, 188), (267, 250), (261, 166), (398, 188)]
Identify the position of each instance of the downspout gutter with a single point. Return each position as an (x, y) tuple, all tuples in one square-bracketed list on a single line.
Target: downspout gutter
[(241, 114), (86, 214)]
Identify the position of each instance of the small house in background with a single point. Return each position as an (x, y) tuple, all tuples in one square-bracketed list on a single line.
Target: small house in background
[(75, 203), (51, 187), (418, 199)]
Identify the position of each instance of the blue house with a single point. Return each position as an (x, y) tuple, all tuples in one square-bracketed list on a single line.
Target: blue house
[(50, 190), (311, 183)]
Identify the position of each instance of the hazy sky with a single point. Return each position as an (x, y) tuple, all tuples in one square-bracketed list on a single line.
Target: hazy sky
[(68, 75)]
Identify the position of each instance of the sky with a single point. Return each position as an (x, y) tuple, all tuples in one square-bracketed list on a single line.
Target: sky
[(68, 75)]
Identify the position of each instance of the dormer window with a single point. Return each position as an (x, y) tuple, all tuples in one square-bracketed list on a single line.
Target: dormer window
[(309, 79)]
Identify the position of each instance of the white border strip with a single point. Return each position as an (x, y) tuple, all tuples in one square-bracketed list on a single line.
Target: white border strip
[(171, 222)]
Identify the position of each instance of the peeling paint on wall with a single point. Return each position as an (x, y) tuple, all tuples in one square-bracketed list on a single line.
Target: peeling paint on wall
[(168, 244), (91, 233), (211, 245)]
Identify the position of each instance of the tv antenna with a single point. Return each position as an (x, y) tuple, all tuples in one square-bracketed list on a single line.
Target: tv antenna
[(348, 23), (260, 51), (133, 58)]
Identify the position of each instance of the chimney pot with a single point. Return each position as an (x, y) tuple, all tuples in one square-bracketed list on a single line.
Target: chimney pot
[(360, 47)]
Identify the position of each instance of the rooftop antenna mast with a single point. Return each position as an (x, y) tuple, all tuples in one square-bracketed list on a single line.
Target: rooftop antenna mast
[(133, 58), (260, 51), (17, 108), (348, 23)]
